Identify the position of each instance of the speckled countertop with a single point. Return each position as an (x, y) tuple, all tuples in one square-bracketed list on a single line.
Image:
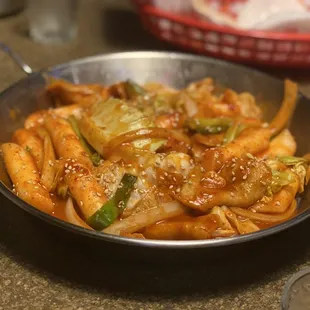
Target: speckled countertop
[(43, 268)]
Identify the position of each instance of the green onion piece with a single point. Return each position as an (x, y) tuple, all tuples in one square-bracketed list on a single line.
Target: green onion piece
[(62, 190), (133, 89), (291, 160), (94, 156), (209, 125), (110, 211), (231, 133)]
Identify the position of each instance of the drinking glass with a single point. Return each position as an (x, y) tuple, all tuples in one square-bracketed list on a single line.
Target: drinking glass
[(52, 21), (296, 294)]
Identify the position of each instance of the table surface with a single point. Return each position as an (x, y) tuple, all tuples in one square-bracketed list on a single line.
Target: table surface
[(40, 270)]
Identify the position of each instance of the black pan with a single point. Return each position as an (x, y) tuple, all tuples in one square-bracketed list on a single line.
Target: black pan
[(173, 69)]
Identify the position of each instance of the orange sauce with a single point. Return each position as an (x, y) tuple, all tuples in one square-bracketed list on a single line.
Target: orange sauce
[(60, 205)]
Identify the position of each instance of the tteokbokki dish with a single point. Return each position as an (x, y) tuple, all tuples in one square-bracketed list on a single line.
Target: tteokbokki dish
[(158, 163)]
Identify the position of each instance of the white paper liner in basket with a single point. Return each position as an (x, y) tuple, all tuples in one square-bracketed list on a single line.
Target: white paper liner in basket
[(275, 15)]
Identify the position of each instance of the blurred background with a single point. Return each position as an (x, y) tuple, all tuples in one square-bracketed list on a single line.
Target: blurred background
[(271, 35)]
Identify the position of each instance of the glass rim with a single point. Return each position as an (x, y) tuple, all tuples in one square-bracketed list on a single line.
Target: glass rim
[(288, 285)]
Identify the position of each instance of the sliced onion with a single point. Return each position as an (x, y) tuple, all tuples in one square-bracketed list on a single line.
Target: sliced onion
[(268, 218), (145, 133), (136, 222), (190, 106), (72, 216), (243, 227)]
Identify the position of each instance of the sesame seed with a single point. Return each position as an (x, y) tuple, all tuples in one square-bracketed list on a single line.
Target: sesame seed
[(66, 165), (67, 171), (232, 194), (244, 177), (36, 187), (161, 194), (233, 160), (34, 171), (98, 194), (81, 203), (178, 190), (143, 173), (171, 186), (278, 203), (241, 168), (234, 179), (50, 163)]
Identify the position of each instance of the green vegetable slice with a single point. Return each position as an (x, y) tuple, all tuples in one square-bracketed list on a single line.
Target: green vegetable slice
[(209, 125), (280, 179), (110, 211), (291, 160), (28, 149), (233, 132), (133, 89), (62, 190), (115, 117), (94, 156)]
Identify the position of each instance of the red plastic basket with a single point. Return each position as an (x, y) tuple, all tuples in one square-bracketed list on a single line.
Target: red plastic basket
[(252, 47)]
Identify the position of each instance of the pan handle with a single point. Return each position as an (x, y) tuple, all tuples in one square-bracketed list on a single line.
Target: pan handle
[(18, 60)]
